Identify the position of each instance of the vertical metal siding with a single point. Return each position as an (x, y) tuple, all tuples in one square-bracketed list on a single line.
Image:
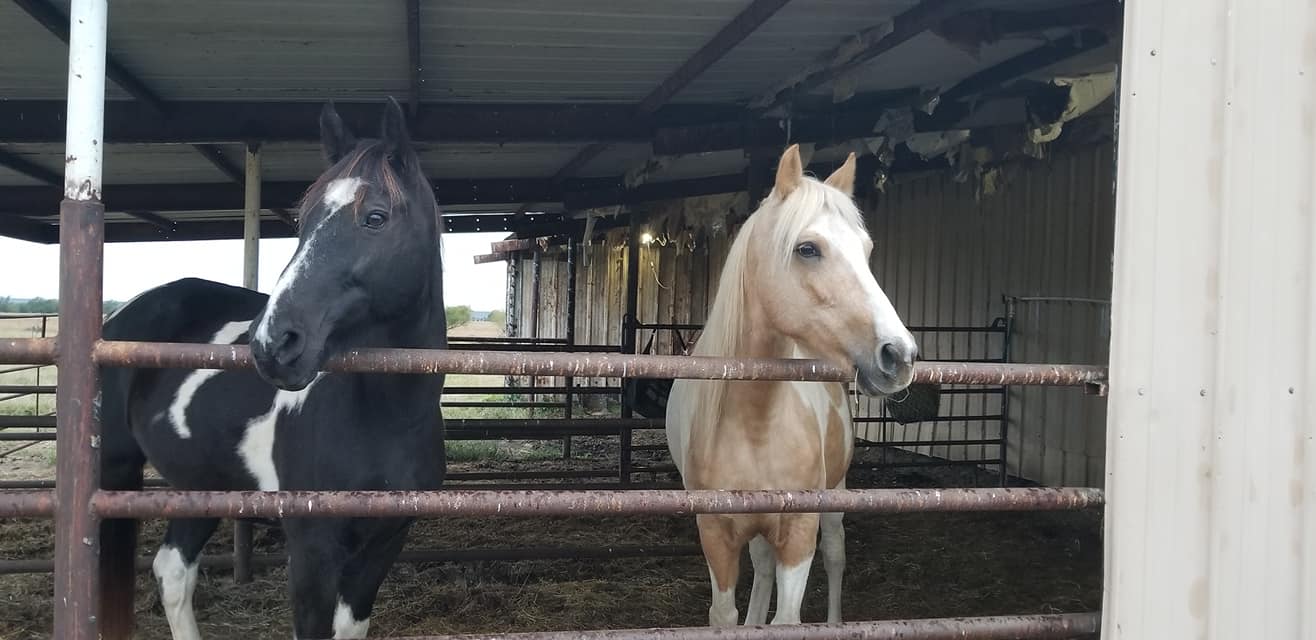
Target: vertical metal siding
[(947, 257), (1211, 523)]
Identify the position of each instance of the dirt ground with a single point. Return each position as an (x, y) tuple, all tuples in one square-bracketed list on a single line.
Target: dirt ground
[(899, 566)]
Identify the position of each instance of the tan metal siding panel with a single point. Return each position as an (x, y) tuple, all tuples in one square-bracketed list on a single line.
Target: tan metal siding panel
[(1211, 524)]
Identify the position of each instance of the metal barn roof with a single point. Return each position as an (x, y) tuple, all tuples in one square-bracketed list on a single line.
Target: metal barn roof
[(521, 105)]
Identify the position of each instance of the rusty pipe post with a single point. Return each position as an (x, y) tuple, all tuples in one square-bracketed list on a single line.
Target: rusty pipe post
[(250, 280), (81, 247), (569, 382)]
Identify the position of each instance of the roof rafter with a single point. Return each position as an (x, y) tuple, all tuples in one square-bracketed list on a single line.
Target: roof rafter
[(726, 39)]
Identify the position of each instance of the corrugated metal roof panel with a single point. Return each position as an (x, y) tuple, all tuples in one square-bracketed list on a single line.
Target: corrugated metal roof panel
[(1211, 516)]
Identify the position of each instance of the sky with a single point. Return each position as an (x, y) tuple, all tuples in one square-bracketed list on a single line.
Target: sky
[(30, 270)]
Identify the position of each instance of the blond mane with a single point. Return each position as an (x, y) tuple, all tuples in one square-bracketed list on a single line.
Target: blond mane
[(724, 329)]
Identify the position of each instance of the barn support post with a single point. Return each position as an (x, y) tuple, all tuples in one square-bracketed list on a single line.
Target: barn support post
[(1211, 422), (81, 238), (629, 326), (251, 218), (536, 271), (569, 397), (250, 279)]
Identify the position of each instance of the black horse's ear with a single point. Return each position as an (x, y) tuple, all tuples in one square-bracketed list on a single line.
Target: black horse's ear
[(335, 139), (393, 132)]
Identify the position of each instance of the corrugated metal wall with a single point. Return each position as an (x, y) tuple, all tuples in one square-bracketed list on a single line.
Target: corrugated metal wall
[(946, 258), (1211, 520)]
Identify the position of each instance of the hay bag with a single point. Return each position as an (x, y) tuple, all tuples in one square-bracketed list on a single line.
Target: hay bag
[(917, 403)]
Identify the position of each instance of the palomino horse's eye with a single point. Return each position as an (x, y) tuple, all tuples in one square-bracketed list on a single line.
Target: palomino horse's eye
[(808, 250), (376, 219)]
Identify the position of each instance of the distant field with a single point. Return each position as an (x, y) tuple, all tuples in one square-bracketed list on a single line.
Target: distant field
[(20, 327)]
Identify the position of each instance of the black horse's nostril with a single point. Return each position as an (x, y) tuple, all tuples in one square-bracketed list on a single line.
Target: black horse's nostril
[(893, 358), (288, 347)]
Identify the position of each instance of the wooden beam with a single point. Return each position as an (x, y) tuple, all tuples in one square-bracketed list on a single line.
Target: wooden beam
[(839, 61), (488, 258), (526, 244), (19, 164)]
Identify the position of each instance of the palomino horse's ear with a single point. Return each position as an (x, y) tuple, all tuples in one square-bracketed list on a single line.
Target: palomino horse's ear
[(790, 171), (393, 131), (335, 139), (843, 177)]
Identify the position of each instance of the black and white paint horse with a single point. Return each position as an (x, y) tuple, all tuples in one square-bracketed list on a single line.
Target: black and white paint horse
[(367, 273)]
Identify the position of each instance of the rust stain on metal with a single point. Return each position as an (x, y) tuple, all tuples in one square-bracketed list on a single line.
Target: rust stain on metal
[(27, 351), (27, 504), (431, 361), (300, 504)]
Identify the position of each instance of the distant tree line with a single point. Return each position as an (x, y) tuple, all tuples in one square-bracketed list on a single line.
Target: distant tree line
[(43, 305)]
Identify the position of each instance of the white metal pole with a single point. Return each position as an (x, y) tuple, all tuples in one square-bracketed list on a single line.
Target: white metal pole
[(86, 100), (251, 219)]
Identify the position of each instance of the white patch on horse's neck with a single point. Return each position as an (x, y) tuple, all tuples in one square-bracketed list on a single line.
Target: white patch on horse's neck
[(338, 194), (257, 446), (346, 626), (228, 334)]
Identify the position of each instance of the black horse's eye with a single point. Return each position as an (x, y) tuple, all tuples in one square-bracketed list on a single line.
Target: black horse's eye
[(376, 219), (808, 250)]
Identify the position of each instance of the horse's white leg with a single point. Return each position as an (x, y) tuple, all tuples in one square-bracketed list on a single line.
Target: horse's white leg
[(797, 539), (345, 623), (833, 549), (791, 581), (722, 552), (765, 562), (177, 581)]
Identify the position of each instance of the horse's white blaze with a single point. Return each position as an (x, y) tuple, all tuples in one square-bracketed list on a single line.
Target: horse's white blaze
[(850, 246), (177, 582), (337, 195), (790, 591), (257, 446), (346, 626), (228, 334), (340, 192)]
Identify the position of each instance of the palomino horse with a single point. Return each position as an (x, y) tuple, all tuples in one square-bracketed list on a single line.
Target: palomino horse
[(367, 272), (796, 284)]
